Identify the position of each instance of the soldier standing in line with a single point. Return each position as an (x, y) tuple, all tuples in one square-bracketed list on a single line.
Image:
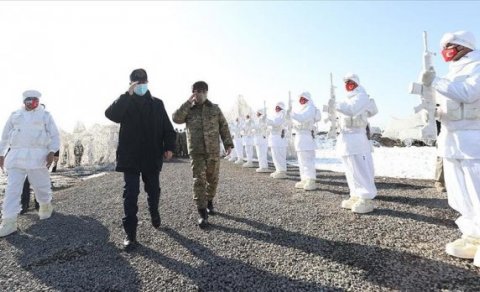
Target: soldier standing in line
[(260, 141), (278, 142), (237, 141), (247, 139), (205, 123), (458, 96), (78, 152), (353, 146)]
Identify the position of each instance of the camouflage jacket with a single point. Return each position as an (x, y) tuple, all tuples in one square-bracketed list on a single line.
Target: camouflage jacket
[(205, 125)]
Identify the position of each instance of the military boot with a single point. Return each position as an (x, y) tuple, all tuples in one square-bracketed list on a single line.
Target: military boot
[(363, 206), (8, 226), (210, 209), (153, 201), (156, 221), (203, 220), (130, 241), (24, 208), (465, 247), (45, 211), (300, 184)]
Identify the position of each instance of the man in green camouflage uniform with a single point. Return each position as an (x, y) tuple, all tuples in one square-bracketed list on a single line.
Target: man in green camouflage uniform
[(205, 124)]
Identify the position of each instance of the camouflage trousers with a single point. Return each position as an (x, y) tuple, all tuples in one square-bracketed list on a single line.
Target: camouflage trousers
[(205, 168)]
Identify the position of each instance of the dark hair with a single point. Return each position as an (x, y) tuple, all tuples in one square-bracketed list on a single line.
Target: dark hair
[(139, 75), (200, 86)]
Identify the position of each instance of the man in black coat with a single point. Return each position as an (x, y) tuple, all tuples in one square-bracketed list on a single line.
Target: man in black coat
[(146, 137)]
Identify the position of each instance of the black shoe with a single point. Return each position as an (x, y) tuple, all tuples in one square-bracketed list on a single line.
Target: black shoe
[(156, 220), (210, 209), (24, 209), (129, 244), (203, 220)]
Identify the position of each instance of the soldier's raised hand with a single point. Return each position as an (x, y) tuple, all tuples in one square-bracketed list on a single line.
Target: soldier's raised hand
[(331, 104), (428, 77), (132, 87), (193, 98)]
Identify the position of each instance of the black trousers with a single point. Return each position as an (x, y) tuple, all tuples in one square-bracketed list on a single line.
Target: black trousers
[(25, 198), (131, 191), (26, 194)]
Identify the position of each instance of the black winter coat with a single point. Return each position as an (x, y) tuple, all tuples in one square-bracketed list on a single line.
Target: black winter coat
[(145, 132)]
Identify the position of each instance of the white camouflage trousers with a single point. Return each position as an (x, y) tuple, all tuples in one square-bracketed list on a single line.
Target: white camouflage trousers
[(39, 180), (462, 180), (360, 175), (306, 164), (279, 157)]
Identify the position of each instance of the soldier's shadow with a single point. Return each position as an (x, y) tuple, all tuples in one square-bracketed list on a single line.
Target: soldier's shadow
[(219, 273), (388, 268), (432, 203), (68, 252), (413, 216)]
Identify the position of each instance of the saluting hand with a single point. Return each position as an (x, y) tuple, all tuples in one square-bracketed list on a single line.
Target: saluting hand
[(193, 98), (132, 87)]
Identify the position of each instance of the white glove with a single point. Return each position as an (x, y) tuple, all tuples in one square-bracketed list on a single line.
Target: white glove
[(428, 77), (331, 104), (289, 112)]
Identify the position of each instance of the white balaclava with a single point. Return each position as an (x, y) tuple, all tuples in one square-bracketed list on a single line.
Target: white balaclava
[(31, 94), (261, 112), (308, 97), (352, 77), (280, 105), (463, 38)]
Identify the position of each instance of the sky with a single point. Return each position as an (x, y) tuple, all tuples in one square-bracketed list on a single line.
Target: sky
[(79, 55)]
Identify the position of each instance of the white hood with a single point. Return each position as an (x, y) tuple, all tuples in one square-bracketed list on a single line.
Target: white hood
[(31, 93), (462, 37), (351, 76), (310, 102)]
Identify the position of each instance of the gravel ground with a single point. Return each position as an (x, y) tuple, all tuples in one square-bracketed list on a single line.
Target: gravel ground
[(267, 236)]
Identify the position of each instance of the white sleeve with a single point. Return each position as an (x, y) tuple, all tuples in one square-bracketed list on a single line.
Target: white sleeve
[(353, 106), (309, 114), (276, 122), (5, 143), (466, 91), (53, 133)]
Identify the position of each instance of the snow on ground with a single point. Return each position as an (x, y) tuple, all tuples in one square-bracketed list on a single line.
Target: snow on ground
[(400, 162)]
